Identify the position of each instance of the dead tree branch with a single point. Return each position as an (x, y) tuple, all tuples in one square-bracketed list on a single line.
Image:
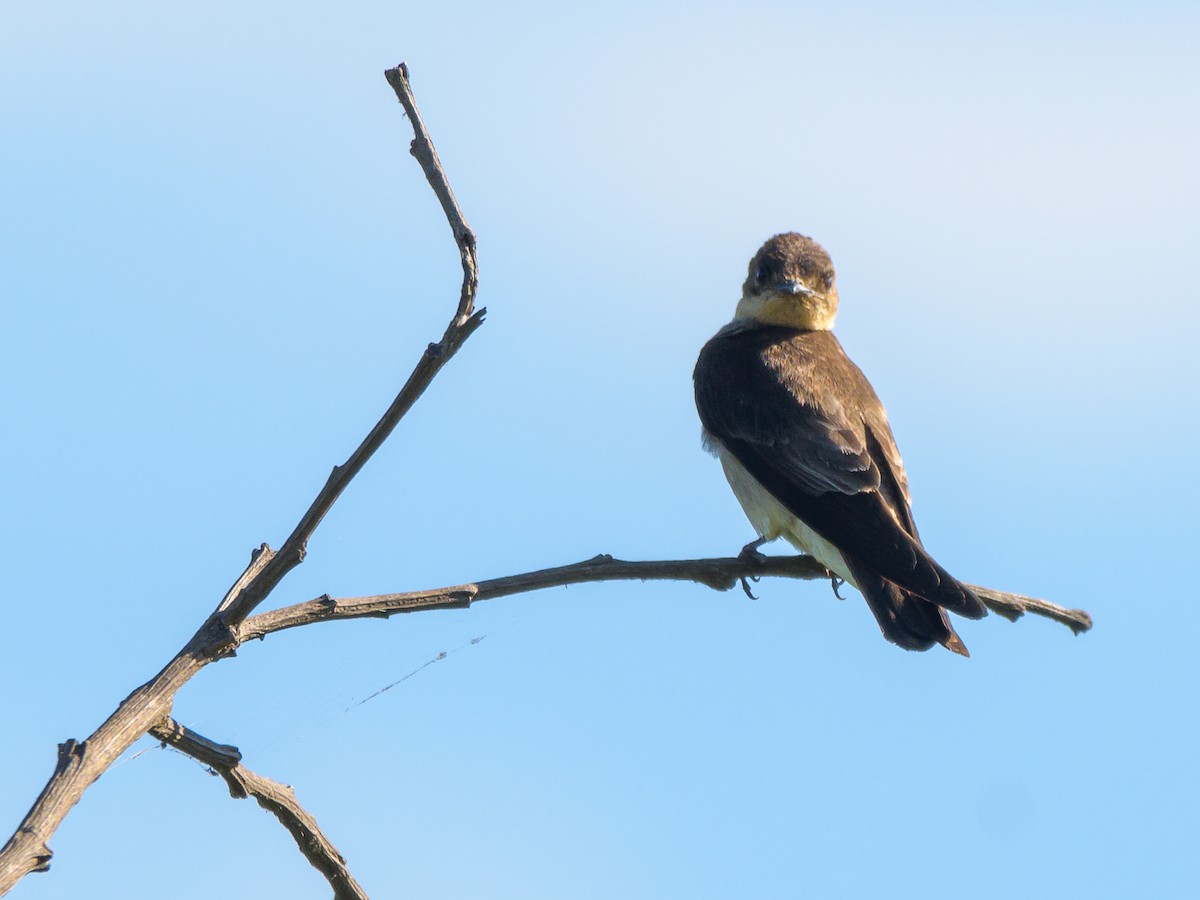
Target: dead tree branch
[(80, 764), (148, 708), (1013, 606), (277, 799), (720, 574), (463, 324)]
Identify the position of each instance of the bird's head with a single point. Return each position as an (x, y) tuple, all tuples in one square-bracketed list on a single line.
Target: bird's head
[(790, 282)]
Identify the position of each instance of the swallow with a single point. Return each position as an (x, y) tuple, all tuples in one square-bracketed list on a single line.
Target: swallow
[(807, 449)]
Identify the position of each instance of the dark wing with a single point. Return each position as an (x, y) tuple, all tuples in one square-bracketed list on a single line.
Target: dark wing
[(806, 424)]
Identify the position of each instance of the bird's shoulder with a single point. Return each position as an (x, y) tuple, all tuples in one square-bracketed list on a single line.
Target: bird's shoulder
[(810, 367)]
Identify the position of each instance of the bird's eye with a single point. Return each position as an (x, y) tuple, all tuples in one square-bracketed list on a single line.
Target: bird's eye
[(760, 274), (828, 281)]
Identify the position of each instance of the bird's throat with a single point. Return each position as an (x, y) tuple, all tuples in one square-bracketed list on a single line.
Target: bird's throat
[(810, 313)]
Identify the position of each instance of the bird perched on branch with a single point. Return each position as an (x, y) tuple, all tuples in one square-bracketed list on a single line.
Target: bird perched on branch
[(806, 446)]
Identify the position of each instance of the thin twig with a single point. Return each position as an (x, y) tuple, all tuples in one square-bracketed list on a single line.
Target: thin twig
[(80, 764), (423, 150), (720, 574), (277, 799)]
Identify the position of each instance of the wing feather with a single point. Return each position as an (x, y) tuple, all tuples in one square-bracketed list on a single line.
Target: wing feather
[(805, 422)]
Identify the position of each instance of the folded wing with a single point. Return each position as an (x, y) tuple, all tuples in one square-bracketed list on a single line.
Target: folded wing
[(804, 421)]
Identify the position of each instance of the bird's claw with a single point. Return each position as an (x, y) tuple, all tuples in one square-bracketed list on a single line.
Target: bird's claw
[(745, 579), (835, 582)]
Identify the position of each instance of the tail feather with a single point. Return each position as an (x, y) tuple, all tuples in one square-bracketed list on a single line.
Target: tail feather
[(956, 596), (907, 620)]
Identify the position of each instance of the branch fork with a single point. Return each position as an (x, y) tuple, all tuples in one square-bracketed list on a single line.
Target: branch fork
[(80, 764)]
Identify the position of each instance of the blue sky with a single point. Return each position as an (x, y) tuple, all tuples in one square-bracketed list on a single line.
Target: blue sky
[(218, 263)]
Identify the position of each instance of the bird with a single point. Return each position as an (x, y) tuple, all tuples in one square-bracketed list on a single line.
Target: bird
[(805, 444)]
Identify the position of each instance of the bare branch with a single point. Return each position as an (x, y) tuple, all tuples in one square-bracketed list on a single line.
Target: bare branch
[(80, 764), (422, 148), (258, 561), (1013, 606), (719, 573), (277, 799), (461, 327)]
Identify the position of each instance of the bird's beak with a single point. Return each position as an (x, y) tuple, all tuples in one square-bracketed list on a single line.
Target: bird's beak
[(795, 287)]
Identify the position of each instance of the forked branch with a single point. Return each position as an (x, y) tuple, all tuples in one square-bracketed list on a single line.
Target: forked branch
[(80, 764), (147, 709), (462, 325)]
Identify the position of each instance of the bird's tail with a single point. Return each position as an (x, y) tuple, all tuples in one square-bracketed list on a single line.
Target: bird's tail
[(907, 620)]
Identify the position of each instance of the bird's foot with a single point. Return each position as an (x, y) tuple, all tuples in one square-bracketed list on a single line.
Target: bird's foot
[(750, 552)]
